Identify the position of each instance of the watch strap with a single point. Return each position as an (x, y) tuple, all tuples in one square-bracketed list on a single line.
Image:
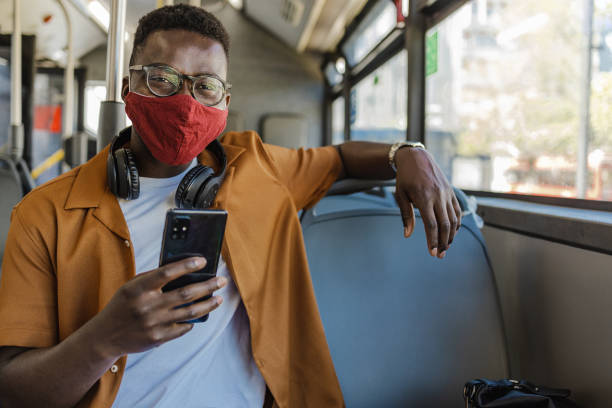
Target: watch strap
[(396, 146)]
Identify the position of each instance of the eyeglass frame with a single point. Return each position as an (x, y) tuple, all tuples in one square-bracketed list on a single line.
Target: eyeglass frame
[(226, 85)]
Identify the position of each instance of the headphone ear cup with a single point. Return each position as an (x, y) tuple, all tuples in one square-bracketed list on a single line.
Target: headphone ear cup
[(121, 171), (133, 179), (200, 185), (122, 174), (111, 172), (208, 193), (186, 192)]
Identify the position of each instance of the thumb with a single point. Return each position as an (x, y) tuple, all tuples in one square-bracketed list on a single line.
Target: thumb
[(407, 212)]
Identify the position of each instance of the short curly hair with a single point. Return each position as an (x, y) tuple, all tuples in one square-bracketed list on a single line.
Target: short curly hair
[(183, 17)]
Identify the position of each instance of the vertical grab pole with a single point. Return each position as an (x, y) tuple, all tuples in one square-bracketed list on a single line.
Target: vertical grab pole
[(415, 45), (68, 119), (16, 131), (582, 173), (112, 113)]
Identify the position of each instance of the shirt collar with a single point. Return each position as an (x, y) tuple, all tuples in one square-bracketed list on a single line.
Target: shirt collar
[(90, 186)]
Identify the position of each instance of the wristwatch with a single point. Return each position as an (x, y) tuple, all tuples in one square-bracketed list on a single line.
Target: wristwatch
[(396, 146)]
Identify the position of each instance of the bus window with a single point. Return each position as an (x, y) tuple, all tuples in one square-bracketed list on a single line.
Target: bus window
[(95, 94), (338, 121), (47, 129), (505, 86), (379, 22), (606, 181), (378, 103)]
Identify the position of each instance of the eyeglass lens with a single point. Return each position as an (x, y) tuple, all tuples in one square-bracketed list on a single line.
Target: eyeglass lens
[(163, 81)]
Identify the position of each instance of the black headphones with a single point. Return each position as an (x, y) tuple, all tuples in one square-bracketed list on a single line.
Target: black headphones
[(197, 189)]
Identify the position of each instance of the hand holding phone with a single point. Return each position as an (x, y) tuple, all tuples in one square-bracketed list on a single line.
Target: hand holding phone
[(139, 316), (193, 233)]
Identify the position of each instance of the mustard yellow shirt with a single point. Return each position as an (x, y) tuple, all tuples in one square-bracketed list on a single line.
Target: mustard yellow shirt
[(68, 251)]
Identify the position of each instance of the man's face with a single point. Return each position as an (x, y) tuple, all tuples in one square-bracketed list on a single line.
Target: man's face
[(188, 52)]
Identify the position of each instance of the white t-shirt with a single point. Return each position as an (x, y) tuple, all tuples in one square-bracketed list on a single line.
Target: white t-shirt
[(210, 366)]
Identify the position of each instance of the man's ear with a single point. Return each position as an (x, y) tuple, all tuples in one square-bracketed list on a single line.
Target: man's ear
[(125, 87), (227, 100)]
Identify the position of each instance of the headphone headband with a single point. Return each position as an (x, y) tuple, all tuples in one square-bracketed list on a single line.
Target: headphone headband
[(217, 149), (121, 139)]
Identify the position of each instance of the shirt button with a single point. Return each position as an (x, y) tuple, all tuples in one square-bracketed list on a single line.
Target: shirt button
[(114, 368), (127, 243)]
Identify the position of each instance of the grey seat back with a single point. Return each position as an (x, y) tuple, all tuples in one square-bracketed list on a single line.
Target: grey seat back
[(404, 329), (12, 191)]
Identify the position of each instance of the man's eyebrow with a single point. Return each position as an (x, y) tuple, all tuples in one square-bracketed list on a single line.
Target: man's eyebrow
[(206, 73), (212, 74)]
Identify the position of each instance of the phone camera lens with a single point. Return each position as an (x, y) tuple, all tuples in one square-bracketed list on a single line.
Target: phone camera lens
[(174, 236)]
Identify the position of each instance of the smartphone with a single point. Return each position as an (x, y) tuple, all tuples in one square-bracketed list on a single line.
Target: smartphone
[(190, 233)]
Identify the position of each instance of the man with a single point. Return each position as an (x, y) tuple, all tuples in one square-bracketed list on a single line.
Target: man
[(83, 320)]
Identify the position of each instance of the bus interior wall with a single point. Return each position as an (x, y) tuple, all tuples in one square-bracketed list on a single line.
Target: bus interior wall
[(555, 304)]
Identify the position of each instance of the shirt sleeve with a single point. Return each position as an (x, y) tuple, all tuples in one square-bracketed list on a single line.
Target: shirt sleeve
[(28, 300), (307, 173)]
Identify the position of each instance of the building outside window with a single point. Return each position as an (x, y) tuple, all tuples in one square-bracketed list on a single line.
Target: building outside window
[(503, 101)]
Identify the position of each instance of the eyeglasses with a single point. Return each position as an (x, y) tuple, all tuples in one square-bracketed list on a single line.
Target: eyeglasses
[(163, 80)]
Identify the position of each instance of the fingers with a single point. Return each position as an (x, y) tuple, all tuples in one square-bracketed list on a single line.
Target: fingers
[(193, 292), (194, 311), (157, 278), (444, 227), (174, 331), (431, 228), (407, 212), (441, 215), (167, 304), (457, 209), (452, 217)]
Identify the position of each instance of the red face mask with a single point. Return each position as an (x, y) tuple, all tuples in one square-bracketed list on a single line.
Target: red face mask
[(175, 128)]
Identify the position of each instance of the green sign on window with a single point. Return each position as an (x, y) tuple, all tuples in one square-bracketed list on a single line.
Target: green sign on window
[(431, 54)]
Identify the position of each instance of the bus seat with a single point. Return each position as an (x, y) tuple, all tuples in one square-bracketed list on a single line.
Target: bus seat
[(12, 191), (285, 129), (404, 329)]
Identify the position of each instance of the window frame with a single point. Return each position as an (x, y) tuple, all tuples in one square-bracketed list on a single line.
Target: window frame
[(365, 13), (387, 48), (423, 15)]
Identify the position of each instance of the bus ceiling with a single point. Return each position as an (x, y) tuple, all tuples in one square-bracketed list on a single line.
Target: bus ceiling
[(47, 21), (314, 25), (305, 25)]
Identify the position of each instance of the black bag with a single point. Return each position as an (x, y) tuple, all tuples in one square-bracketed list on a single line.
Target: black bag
[(484, 393)]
